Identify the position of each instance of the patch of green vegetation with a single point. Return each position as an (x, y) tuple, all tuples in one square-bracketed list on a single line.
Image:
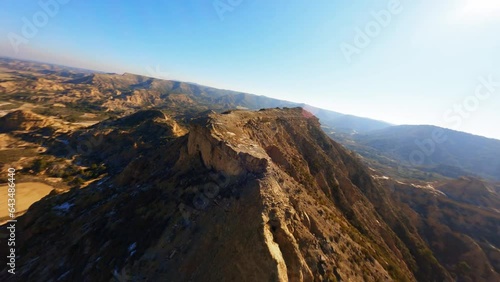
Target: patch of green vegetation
[(72, 112), (13, 155), (94, 171), (85, 106), (331, 278), (39, 165), (53, 111), (462, 267), (71, 174), (77, 181), (396, 273)]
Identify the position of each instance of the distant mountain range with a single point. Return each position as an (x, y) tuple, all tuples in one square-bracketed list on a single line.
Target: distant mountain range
[(79, 91), (344, 123), (117, 92), (451, 154)]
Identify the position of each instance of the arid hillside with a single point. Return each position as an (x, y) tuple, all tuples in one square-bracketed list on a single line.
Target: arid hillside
[(242, 195)]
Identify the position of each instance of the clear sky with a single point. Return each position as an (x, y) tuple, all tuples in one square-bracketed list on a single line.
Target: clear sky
[(416, 62)]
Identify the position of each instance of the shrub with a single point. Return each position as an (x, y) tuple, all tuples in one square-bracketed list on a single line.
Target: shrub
[(39, 165)]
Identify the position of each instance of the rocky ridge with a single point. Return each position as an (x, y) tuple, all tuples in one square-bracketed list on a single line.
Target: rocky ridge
[(242, 195)]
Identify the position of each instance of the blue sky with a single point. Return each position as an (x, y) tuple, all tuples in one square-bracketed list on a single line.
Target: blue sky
[(423, 64)]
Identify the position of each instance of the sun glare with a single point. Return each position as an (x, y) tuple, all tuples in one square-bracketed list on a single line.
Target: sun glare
[(478, 11)]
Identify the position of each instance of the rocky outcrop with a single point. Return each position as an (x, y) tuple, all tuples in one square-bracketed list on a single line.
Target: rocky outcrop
[(219, 149)]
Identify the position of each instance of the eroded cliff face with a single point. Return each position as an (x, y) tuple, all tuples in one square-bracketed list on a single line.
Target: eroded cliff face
[(244, 196), (220, 152), (271, 218)]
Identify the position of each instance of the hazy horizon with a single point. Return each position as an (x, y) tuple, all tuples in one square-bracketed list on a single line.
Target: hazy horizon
[(403, 62)]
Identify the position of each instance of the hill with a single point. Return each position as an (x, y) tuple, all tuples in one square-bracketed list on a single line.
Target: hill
[(433, 149), (341, 124)]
